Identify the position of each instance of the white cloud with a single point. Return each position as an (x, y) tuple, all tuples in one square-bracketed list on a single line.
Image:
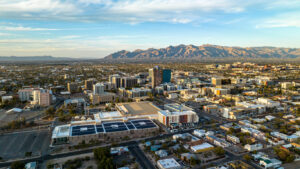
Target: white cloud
[(132, 11), (70, 37), (19, 6), (290, 19), (5, 34), (21, 28)]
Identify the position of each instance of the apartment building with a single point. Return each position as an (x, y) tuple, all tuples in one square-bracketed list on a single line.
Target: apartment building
[(169, 118)]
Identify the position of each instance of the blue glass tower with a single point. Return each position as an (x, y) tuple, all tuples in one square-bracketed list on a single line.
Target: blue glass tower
[(166, 74)]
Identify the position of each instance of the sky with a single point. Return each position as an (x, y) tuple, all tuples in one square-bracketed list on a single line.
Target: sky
[(97, 28)]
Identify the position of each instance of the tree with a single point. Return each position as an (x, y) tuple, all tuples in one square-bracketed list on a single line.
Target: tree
[(219, 151), (247, 157), (28, 154), (290, 158), (50, 112), (282, 155), (193, 161), (103, 158), (17, 165)]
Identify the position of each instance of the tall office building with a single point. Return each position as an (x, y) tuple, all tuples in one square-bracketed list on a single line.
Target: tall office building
[(166, 76), (88, 84), (45, 98), (72, 87), (128, 82), (115, 80), (25, 94), (98, 88), (156, 76), (42, 97)]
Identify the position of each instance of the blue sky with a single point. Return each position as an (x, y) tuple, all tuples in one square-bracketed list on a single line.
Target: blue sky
[(96, 28)]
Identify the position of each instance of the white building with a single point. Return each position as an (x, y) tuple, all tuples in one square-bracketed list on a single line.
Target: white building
[(253, 147), (6, 98), (286, 85), (199, 133), (269, 163), (268, 102), (98, 88), (25, 94), (169, 163), (201, 147), (172, 96)]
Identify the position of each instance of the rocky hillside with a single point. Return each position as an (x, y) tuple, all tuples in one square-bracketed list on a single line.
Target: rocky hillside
[(206, 51)]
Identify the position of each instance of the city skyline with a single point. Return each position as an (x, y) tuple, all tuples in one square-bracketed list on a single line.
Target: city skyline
[(96, 28)]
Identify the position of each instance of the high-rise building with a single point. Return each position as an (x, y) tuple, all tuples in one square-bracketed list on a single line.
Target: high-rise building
[(128, 82), (98, 88), (115, 80), (88, 84), (166, 76), (25, 94), (45, 98), (72, 87), (156, 76), (42, 97)]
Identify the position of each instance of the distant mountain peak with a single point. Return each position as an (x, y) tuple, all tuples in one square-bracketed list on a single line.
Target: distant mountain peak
[(206, 51)]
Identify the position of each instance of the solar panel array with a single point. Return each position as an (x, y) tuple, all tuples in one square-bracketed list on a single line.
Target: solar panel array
[(130, 125), (111, 127), (142, 124), (99, 129), (83, 130), (115, 126)]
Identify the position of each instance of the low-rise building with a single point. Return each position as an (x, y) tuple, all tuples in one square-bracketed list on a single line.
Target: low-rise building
[(233, 139), (202, 147), (102, 98), (169, 163), (199, 133), (161, 153), (269, 163), (218, 141), (253, 147), (268, 102)]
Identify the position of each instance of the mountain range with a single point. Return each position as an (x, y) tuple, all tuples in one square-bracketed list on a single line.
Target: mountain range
[(206, 51), (32, 58)]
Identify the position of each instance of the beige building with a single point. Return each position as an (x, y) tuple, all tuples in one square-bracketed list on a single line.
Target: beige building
[(42, 97), (103, 98)]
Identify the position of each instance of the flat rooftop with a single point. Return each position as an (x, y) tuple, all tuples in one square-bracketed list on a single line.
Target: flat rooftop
[(61, 131), (108, 115), (169, 163), (202, 146), (176, 107), (106, 127), (176, 113), (138, 108)]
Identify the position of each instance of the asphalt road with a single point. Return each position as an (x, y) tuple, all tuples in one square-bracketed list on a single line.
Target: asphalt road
[(140, 156)]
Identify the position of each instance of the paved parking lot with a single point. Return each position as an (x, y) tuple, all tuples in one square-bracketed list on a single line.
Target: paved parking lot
[(15, 145)]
